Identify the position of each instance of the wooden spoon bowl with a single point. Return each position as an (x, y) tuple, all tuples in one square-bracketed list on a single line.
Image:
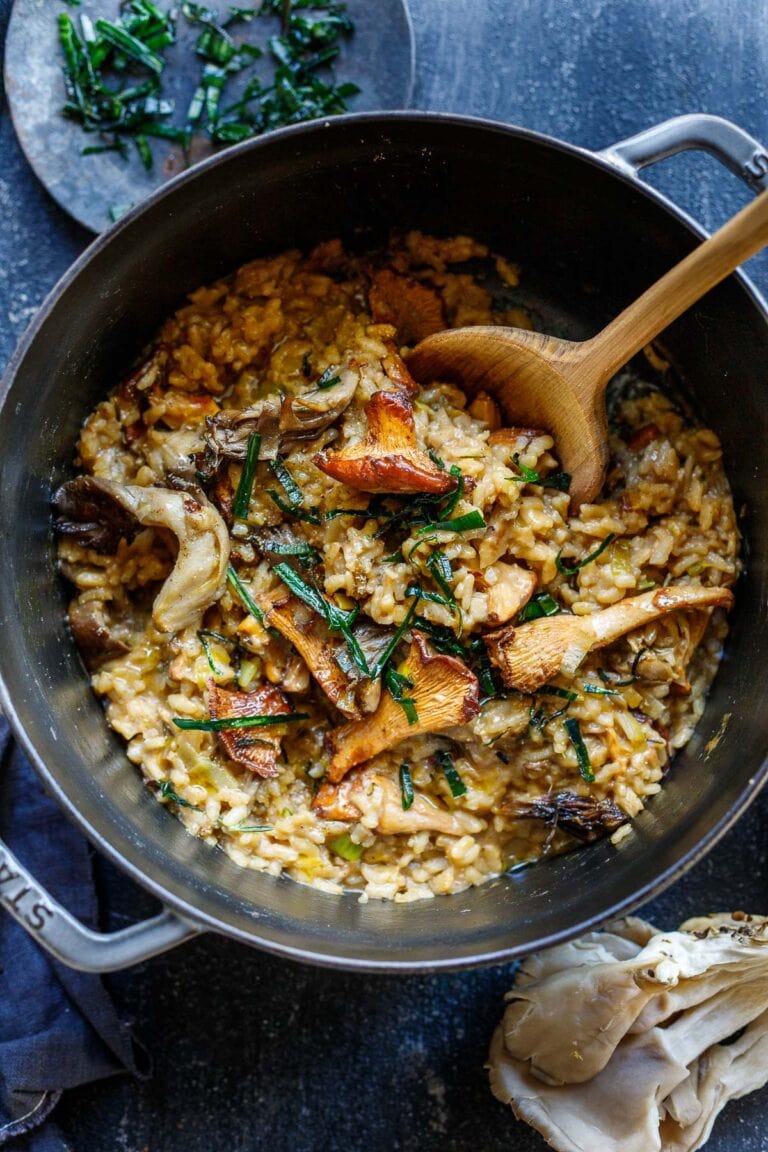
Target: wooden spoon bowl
[(559, 385)]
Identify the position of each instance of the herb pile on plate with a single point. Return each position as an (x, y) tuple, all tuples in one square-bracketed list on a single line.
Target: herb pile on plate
[(113, 71)]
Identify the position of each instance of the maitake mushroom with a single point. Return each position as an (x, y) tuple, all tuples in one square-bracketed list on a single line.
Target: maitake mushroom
[(632, 1040), (444, 693), (316, 409), (586, 818), (227, 433), (387, 459), (530, 655), (256, 748), (98, 513), (366, 791)]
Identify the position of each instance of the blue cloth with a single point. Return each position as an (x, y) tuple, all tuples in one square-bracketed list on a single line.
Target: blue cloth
[(58, 1028)]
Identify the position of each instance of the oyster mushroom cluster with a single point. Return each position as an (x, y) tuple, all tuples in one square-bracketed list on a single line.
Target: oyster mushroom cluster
[(633, 1039)]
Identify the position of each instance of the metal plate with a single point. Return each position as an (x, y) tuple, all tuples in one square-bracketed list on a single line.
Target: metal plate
[(379, 58)]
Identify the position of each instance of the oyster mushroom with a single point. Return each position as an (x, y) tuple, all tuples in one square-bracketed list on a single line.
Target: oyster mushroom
[(387, 459), (376, 792), (256, 748), (530, 655), (632, 1040), (200, 572), (325, 653), (98, 635), (444, 693), (227, 433), (586, 818), (310, 412)]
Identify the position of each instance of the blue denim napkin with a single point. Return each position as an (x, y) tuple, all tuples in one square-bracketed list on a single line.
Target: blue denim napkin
[(58, 1028)]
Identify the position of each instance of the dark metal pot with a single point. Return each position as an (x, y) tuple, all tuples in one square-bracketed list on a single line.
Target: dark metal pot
[(590, 237)]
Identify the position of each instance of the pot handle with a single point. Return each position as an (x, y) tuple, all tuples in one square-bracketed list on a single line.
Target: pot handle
[(69, 941), (730, 144)]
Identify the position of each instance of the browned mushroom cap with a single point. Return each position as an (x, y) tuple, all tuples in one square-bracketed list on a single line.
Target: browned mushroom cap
[(387, 458), (89, 515), (200, 573), (337, 802), (445, 693), (530, 655), (256, 748), (325, 654), (584, 817), (414, 309), (98, 636), (310, 412)]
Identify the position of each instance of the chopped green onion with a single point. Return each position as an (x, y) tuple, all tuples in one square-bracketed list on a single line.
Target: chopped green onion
[(242, 501), (466, 523), (406, 786), (328, 379), (292, 510), (452, 775), (203, 637), (559, 480), (287, 482), (244, 594), (168, 792), (129, 45), (587, 559), (227, 722), (573, 729), (542, 604), (345, 847)]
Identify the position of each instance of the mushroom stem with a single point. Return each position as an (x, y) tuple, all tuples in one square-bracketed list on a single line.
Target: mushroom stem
[(532, 654)]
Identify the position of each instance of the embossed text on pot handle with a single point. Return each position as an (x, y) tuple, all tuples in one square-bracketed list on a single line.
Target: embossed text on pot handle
[(59, 933), (699, 132)]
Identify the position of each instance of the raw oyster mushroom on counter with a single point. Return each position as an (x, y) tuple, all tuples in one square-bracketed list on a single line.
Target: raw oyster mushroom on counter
[(633, 1040)]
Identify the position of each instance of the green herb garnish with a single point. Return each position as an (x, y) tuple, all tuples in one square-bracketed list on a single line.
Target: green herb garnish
[(336, 618), (329, 379), (611, 679), (227, 722), (406, 786), (573, 729), (249, 827), (436, 460), (345, 847), (307, 556), (542, 604), (467, 523), (334, 512), (204, 637), (244, 594), (389, 651), (587, 559), (397, 685), (168, 792), (242, 500), (555, 690), (597, 690), (559, 480), (451, 773), (287, 482), (292, 509)]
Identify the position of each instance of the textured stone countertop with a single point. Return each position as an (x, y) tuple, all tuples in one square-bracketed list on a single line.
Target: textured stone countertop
[(251, 1052)]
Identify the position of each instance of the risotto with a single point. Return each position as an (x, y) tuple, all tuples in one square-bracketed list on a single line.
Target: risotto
[(346, 623)]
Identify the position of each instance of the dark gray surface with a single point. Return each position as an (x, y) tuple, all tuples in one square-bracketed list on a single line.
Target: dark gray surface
[(254, 1053), (87, 187)]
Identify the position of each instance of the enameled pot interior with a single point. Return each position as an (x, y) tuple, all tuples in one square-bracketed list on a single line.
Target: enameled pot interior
[(588, 242)]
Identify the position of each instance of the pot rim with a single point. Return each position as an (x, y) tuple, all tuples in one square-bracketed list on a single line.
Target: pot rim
[(155, 887)]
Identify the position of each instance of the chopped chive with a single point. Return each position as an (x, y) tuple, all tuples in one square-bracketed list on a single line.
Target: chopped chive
[(466, 523), (482, 667), (227, 722), (204, 637), (406, 786), (452, 774), (610, 679), (244, 594), (527, 475), (287, 482), (573, 729), (448, 508), (440, 569), (249, 828), (345, 847), (394, 558), (436, 460), (542, 604), (336, 618), (242, 501), (397, 685), (292, 510), (587, 559), (554, 690), (304, 552), (168, 792), (334, 512), (389, 651), (306, 365), (130, 46), (597, 690), (328, 379), (559, 480)]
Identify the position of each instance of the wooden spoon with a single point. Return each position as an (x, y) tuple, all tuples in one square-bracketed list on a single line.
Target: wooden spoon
[(544, 382)]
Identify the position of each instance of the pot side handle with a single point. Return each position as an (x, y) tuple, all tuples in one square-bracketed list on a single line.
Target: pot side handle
[(731, 145), (69, 941)]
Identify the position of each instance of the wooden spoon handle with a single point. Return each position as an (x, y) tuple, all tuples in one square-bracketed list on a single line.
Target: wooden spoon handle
[(743, 235)]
